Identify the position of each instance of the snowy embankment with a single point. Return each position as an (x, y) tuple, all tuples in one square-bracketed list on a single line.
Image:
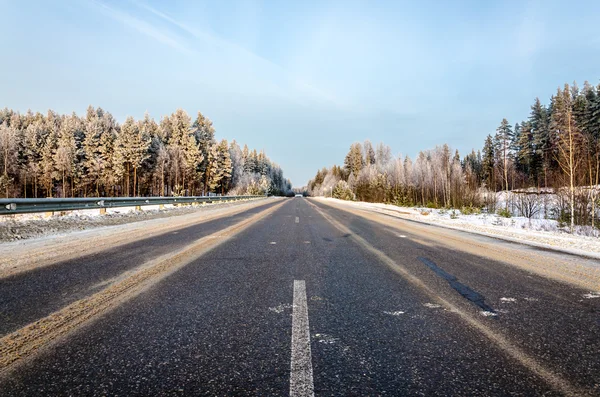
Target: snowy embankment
[(26, 226), (538, 232)]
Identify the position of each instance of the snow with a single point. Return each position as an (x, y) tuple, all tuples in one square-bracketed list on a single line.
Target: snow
[(539, 232), (395, 313), (25, 226), (488, 314), (281, 308), (592, 295)]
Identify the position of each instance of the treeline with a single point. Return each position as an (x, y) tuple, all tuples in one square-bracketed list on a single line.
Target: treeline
[(557, 148), (56, 155)]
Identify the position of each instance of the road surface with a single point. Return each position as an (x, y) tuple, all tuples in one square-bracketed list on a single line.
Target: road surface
[(297, 297)]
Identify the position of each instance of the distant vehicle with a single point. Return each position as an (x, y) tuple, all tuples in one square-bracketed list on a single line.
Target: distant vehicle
[(299, 195)]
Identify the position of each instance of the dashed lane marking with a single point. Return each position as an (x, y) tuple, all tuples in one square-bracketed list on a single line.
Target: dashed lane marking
[(301, 376)]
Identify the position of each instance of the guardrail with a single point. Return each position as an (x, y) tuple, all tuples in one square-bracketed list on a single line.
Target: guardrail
[(32, 205)]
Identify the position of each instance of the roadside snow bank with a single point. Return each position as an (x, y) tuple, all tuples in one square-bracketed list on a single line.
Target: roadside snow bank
[(544, 233), (26, 226)]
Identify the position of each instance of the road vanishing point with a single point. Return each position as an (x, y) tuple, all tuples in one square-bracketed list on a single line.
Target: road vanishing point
[(298, 297)]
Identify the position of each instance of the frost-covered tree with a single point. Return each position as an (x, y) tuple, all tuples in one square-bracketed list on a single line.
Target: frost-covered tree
[(224, 166), (354, 161), (95, 155), (204, 133), (65, 153), (237, 162), (369, 153), (8, 145)]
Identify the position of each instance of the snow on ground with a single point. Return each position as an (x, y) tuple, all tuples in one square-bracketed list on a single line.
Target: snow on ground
[(26, 226), (539, 232)]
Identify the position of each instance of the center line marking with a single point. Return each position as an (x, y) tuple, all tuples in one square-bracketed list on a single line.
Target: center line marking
[(297, 220), (301, 376)]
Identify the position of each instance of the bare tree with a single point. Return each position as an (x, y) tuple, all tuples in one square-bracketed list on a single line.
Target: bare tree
[(568, 143), (528, 204)]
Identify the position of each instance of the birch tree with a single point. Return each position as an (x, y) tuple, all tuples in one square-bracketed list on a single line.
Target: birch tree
[(568, 143)]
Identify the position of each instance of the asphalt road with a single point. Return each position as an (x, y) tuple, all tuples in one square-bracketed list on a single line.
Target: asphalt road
[(26, 297), (315, 299)]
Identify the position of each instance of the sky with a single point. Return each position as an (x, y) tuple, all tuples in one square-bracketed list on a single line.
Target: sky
[(302, 80)]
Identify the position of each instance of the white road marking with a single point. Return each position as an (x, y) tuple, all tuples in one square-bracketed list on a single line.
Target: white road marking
[(272, 243), (592, 295), (401, 236), (301, 376), (508, 300), (297, 219), (432, 305), (307, 242)]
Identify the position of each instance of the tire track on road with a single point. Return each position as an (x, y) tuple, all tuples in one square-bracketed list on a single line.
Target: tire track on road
[(555, 380), (23, 257), (27, 341), (573, 273)]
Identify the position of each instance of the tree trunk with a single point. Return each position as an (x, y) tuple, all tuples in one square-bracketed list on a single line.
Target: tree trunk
[(162, 181), (127, 183), (572, 174)]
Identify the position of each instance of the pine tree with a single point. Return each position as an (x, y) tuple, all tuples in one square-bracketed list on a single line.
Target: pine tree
[(138, 151), (35, 135), (224, 165), (542, 154), (354, 161), (65, 153), (504, 139), (204, 133), (47, 160), (525, 149), (212, 175), (193, 161), (369, 153), (590, 128), (180, 125), (100, 132), (246, 159), (150, 132), (8, 145), (93, 154), (162, 164), (488, 162)]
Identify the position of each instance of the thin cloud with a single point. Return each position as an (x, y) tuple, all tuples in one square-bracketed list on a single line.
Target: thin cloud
[(142, 27), (219, 42)]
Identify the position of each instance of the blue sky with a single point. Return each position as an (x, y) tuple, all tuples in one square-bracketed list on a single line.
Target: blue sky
[(302, 79)]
